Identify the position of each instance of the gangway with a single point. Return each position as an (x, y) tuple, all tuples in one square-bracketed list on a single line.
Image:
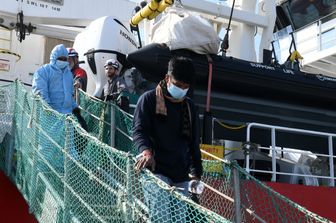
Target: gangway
[(88, 195)]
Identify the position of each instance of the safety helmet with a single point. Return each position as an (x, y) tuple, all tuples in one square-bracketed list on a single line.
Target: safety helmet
[(113, 63), (72, 52)]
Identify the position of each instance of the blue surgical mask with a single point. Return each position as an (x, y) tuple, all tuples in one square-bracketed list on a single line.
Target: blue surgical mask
[(62, 64), (176, 92)]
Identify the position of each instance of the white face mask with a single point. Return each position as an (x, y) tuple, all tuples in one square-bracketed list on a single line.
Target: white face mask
[(176, 92), (62, 64)]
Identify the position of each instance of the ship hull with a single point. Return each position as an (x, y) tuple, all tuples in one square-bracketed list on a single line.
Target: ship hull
[(241, 77)]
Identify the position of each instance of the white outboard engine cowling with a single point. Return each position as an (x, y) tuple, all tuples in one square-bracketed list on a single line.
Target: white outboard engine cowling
[(105, 38)]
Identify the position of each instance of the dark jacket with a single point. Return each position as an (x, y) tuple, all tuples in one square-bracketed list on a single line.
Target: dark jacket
[(113, 88), (175, 155)]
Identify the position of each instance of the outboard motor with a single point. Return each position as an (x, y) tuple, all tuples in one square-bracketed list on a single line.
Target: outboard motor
[(105, 38)]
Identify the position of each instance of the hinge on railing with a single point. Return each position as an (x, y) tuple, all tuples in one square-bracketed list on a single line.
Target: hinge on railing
[(249, 147)]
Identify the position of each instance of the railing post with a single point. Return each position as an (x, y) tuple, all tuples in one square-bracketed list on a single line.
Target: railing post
[(319, 24), (129, 192), (34, 155), (331, 161), (66, 194), (212, 130), (236, 189), (273, 156), (113, 125), (248, 138), (207, 128), (77, 95)]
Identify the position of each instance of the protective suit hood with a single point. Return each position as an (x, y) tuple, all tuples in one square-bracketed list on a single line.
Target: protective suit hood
[(58, 51)]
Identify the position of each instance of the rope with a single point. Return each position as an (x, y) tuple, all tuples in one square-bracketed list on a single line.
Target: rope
[(207, 108), (11, 53), (230, 127)]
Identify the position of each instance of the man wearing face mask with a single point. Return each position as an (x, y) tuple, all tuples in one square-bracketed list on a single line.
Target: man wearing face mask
[(166, 133), (79, 74), (54, 82)]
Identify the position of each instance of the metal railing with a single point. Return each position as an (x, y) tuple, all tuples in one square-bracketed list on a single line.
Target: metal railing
[(315, 37), (328, 136)]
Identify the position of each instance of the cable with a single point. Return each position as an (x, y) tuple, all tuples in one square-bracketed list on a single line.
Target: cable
[(225, 42)]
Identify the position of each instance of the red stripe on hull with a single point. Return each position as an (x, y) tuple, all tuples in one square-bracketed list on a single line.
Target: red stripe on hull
[(320, 200)]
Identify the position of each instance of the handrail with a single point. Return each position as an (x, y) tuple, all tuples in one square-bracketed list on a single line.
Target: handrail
[(273, 129), (316, 21), (308, 43)]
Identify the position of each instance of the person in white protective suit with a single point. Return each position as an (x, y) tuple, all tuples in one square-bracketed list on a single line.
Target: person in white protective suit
[(53, 82)]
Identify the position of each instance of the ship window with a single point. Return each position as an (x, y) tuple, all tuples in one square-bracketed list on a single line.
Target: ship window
[(303, 12)]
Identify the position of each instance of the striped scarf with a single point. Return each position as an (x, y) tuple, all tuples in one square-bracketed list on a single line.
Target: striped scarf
[(161, 109)]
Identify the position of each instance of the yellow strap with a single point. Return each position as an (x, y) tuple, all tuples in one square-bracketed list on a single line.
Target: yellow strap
[(231, 127), (295, 56)]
